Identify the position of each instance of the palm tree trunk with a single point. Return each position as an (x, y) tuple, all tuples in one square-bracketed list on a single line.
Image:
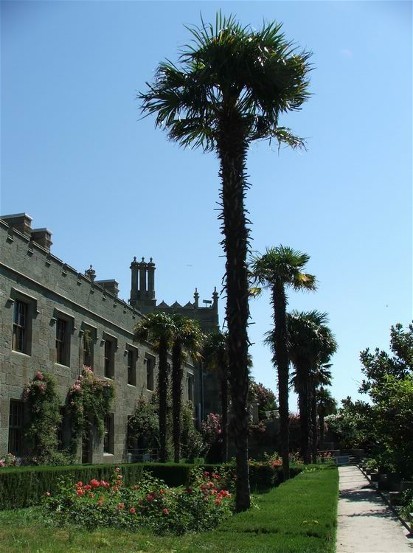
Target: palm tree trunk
[(177, 375), (224, 410), (232, 154), (163, 395), (314, 433), (281, 354), (305, 410)]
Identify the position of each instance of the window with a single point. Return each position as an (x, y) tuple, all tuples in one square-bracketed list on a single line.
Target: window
[(109, 358), (87, 347), (62, 342), (20, 326), (108, 440), (132, 357), (150, 365), (24, 311), (16, 427), (190, 387)]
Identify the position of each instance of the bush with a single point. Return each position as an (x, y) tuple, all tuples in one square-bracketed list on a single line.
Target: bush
[(151, 504)]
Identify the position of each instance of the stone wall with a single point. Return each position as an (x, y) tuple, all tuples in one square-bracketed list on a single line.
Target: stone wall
[(54, 290)]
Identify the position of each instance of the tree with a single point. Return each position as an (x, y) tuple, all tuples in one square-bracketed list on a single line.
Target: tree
[(311, 344), (187, 341), (264, 397), (326, 405), (159, 329), (231, 88), (215, 358), (389, 383), (276, 269)]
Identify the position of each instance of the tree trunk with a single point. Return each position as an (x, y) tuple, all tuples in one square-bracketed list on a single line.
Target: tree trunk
[(163, 394), (224, 410), (232, 150), (314, 433), (305, 410), (177, 374), (281, 357)]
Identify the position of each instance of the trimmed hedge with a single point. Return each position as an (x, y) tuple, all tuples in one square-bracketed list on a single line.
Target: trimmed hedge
[(25, 486)]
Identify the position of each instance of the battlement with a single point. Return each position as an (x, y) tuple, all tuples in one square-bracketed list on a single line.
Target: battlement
[(23, 224)]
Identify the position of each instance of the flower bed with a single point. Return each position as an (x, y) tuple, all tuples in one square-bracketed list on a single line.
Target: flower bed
[(149, 504)]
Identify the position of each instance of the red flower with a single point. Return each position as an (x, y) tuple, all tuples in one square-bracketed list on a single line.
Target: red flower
[(132, 510), (165, 512)]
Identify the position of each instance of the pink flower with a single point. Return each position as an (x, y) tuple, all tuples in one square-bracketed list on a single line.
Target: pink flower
[(121, 506), (165, 512), (132, 510), (39, 375)]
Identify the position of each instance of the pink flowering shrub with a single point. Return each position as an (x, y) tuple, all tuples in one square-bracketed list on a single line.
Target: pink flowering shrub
[(43, 404), (88, 402), (8, 460), (150, 504)]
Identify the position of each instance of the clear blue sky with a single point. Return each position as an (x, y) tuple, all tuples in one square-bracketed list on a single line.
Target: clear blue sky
[(76, 157)]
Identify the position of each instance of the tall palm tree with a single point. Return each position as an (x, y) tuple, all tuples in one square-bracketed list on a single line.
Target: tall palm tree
[(326, 405), (187, 341), (159, 329), (311, 343), (215, 358), (276, 269), (232, 85), (320, 377)]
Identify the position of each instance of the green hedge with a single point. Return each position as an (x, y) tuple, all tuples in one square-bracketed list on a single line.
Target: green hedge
[(25, 486)]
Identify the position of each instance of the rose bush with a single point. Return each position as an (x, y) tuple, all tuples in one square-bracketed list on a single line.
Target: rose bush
[(150, 504)]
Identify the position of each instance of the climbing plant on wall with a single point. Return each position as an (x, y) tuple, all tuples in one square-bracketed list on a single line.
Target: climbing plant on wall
[(44, 418), (89, 401)]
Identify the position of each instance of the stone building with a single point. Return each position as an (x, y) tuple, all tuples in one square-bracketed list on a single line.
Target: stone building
[(56, 319)]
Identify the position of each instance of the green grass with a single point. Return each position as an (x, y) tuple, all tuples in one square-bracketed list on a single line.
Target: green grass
[(297, 517)]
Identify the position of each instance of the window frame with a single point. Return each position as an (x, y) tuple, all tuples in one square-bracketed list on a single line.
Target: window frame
[(132, 355), (15, 430), (109, 435), (63, 351), (109, 356), (19, 297), (88, 330), (149, 362)]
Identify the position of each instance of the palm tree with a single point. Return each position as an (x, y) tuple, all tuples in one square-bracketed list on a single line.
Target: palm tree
[(311, 343), (215, 355), (187, 341), (320, 377), (326, 405), (159, 329), (231, 88), (276, 269)]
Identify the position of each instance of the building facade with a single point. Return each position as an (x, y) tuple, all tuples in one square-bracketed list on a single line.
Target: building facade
[(56, 319)]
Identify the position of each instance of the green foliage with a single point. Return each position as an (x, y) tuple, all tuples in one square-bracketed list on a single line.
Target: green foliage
[(150, 503), (193, 444), (44, 418), (143, 425), (279, 522), (352, 425), (383, 426), (264, 397), (88, 402)]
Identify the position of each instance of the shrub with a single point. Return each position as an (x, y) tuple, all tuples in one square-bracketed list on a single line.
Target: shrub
[(151, 504), (44, 408)]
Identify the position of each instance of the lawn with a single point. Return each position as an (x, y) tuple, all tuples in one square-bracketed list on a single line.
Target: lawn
[(297, 517)]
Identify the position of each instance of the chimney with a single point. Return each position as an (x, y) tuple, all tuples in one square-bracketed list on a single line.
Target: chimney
[(20, 221), (43, 237), (110, 286)]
